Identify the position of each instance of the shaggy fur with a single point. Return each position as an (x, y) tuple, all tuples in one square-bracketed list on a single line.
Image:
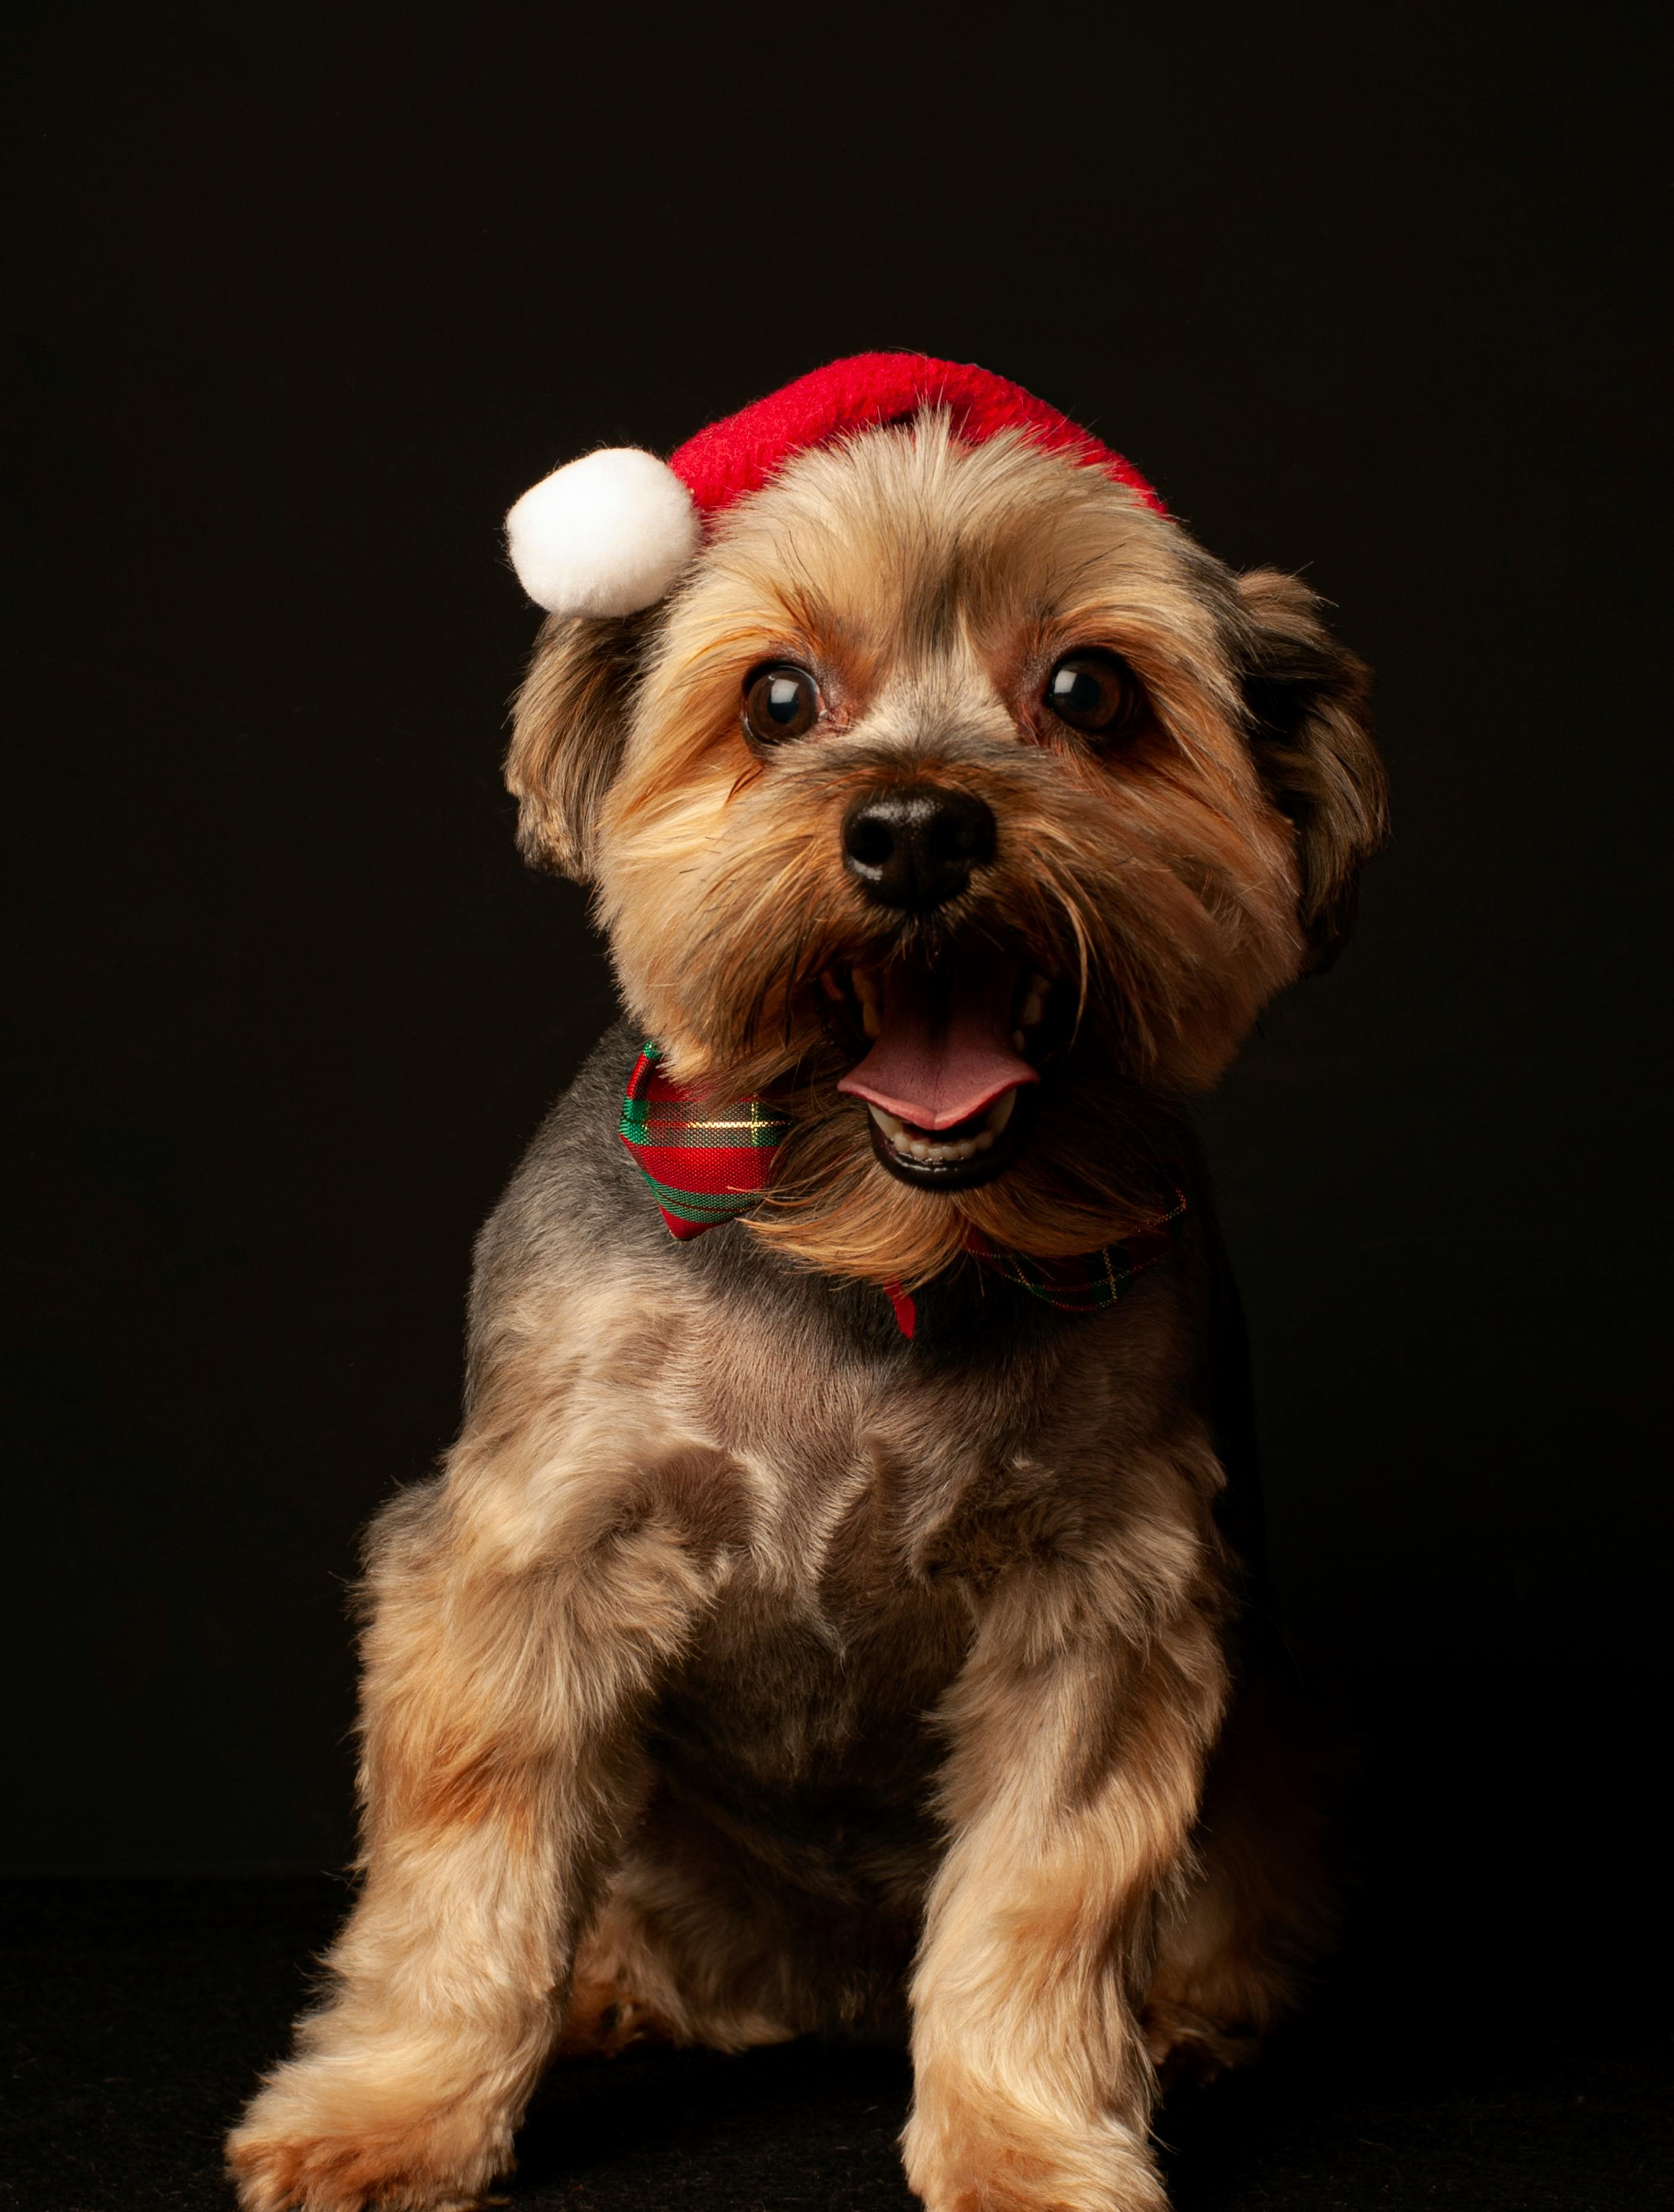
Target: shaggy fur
[(750, 1671)]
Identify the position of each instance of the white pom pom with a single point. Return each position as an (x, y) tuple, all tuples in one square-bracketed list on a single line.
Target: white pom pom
[(606, 536)]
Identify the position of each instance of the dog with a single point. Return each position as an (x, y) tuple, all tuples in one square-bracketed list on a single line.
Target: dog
[(843, 1615)]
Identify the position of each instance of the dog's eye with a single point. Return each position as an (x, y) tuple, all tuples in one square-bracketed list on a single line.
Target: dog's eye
[(1093, 691), (781, 701)]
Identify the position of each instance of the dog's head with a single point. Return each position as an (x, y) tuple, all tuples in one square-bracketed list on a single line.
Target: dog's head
[(956, 801)]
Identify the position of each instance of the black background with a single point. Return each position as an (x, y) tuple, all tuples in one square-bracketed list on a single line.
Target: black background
[(301, 301)]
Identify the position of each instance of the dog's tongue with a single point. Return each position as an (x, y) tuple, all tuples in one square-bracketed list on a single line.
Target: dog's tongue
[(943, 1050)]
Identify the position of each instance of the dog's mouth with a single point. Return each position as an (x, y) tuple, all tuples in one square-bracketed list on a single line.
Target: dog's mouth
[(949, 1063)]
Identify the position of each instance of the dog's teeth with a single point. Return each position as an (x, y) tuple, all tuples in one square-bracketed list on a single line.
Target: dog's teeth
[(943, 1152), (865, 989), (938, 1155), (1017, 1039), (1034, 1001)]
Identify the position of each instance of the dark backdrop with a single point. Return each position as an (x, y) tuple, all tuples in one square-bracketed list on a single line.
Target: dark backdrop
[(302, 300)]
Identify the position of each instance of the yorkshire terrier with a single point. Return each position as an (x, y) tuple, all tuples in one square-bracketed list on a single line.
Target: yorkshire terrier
[(835, 1616)]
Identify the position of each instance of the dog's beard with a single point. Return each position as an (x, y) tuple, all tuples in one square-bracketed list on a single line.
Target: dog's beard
[(1088, 1160), (1094, 1164)]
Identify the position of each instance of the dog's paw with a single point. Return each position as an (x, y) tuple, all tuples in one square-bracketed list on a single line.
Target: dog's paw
[(965, 2156), (604, 2018), (296, 2151)]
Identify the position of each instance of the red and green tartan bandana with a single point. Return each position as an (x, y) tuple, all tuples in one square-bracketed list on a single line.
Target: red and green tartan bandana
[(707, 1164)]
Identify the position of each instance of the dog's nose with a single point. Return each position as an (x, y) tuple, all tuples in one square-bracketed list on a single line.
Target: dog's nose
[(914, 845)]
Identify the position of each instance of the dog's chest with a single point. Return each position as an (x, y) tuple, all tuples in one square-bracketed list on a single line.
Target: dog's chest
[(868, 1478), (881, 1501)]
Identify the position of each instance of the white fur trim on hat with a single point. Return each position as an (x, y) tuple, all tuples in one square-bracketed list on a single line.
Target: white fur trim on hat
[(606, 536)]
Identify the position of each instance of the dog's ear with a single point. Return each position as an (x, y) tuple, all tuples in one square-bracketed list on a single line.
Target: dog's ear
[(1306, 699), (568, 722)]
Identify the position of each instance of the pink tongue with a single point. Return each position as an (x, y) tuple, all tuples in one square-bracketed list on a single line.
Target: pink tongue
[(944, 1048)]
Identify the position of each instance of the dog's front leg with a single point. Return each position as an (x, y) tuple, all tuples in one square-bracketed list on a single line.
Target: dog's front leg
[(1077, 1764), (504, 1681)]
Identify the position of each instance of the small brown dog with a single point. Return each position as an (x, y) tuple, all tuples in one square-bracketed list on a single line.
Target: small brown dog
[(830, 1623)]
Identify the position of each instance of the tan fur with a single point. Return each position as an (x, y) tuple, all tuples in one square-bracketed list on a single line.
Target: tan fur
[(743, 1676)]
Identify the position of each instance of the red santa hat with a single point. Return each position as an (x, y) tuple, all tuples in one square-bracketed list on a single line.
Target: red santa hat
[(609, 533)]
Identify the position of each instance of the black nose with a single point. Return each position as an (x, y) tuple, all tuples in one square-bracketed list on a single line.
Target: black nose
[(914, 845)]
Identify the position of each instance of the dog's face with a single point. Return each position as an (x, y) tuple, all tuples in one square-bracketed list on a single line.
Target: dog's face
[(962, 804)]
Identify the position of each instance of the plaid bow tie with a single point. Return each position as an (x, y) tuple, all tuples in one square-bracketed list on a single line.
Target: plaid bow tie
[(708, 1163)]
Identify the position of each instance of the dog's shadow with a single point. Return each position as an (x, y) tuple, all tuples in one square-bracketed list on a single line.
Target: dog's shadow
[(815, 2127), (810, 2125)]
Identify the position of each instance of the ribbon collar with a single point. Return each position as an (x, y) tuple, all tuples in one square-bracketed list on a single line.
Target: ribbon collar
[(707, 1164)]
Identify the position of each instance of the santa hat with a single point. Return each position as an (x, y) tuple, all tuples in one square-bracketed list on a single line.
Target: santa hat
[(609, 533)]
